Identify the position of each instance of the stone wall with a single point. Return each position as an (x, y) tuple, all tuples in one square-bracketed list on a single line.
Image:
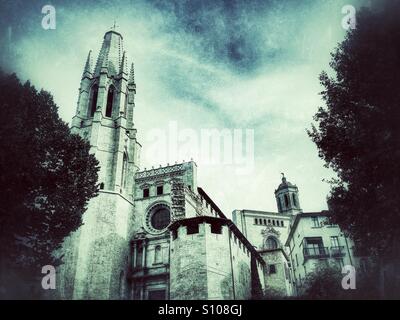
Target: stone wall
[(188, 272), (97, 253), (212, 263), (278, 282)]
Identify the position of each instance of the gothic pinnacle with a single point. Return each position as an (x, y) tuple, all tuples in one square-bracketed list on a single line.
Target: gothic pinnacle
[(132, 75), (88, 64)]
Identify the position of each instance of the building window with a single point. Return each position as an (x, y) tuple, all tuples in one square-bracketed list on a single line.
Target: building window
[(256, 221), (272, 269), (271, 243), (273, 222), (314, 247), (146, 193), (286, 200), (95, 91), (139, 257), (160, 190), (160, 219), (265, 221), (278, 200), (282, 225), (157, 254), (269, 221), (335, 241), (124, 170), (102, 186), (315, 222), (110, 98), (294, 200)]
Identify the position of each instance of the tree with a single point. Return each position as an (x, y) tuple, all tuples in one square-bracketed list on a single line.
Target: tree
[(47, 178), (358, 132), (323, 283)]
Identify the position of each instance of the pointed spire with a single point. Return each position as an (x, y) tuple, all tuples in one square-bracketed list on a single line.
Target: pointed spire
[(124, 64), (88, 66), (132, 75)]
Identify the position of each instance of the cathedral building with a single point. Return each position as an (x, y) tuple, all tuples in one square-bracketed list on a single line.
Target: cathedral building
[(156, 234), (149, 234)]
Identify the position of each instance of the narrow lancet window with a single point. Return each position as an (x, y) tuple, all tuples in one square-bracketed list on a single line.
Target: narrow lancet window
[(93, 107), (110, 98)]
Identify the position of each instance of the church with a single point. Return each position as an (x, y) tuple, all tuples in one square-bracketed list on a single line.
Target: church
[(157, 234)]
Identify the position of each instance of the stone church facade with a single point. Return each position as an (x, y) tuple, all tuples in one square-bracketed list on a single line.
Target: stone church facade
[(152, 234), (156, 234)]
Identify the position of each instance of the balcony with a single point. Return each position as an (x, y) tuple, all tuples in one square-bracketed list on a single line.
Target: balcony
[(337, 251), (315, 253)]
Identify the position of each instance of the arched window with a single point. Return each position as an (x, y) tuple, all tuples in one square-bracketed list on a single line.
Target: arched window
[(286, 200), (93, 107), (157, 254), (294, 199), (271, 243), (124, 170), (110, 99), (102, 186), (279, 205), (139, 257)]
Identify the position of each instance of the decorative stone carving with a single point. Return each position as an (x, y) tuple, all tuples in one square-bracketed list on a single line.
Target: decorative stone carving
[(268, 232), (178, 199)]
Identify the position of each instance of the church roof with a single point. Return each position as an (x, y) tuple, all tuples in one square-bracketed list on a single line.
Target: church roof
[(111, 54), (285, 184)]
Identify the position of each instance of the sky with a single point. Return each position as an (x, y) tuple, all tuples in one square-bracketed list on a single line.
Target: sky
[(249, 67)]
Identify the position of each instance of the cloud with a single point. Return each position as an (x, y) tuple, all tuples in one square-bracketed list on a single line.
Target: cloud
[(203, 64)]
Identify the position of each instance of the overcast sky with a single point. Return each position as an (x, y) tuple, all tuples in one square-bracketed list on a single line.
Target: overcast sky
[(199, 64)]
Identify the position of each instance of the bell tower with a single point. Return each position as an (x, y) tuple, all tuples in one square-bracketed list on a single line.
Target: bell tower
[(96, 256), (287, 197), (104, 115)]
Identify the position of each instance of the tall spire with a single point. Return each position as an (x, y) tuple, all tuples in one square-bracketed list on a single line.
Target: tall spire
[(87, 72)]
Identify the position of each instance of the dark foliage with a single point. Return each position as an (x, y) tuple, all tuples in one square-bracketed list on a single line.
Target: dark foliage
[(358, 132), (47, 177), (325, 284)]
